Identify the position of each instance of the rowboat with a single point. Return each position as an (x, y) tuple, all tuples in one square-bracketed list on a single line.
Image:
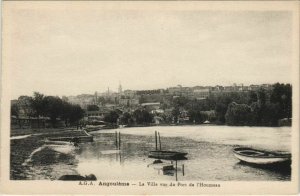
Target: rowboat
[(167, 155), (261, 157)]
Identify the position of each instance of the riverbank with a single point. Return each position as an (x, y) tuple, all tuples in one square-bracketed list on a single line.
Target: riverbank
[(203, 124), (19, 132), (23, 147)]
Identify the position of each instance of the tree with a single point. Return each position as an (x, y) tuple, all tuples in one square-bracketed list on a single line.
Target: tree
[(14, 111), (270, 114), (180, 101), (196, 116), (262, 97), (38, 105), (142, 117), (92, 108), (221, 104), (66, 112), (53, 108), (256, 113), (175, 114), (282, 94), (252, 97), (220, 111), (111, 117), (147, 117), (25, 106), (75, 114), (238, 114), (126, 118)]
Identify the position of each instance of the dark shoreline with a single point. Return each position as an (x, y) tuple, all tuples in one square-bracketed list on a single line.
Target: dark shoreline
[(190, 124)]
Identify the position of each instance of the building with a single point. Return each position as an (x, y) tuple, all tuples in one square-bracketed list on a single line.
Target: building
[(129, 93), (201, 93), (128, 102), (97, 114), (151, 106), (150, 92), (253, 87), (175, 90)]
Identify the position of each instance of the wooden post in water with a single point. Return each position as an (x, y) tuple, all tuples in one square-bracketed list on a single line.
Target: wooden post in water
[(176, 169), (116, 135), (155, 140), (119, 140), (159, 141)]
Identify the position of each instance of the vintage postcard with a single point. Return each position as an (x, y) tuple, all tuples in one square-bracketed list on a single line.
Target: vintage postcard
[(150, 97)]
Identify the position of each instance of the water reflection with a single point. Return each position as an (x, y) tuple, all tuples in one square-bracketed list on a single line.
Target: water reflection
[(283, 169), (168, 168), (207, 160)]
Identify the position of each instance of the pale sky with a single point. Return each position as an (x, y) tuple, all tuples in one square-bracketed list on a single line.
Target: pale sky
[(69, 52)]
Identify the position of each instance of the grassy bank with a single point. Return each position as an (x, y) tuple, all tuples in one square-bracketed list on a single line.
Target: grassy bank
[(22, 148), (18, 132)]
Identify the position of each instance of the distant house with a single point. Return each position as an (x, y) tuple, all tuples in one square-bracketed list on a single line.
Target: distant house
[(99, 113), (150, 92), (151, 106), (128, 102), (180, 91), (201, 93)]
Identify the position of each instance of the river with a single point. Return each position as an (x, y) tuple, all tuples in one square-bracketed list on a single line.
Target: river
[(209, 158)]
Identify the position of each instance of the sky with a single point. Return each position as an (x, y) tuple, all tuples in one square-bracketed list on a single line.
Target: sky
[(72, 51)]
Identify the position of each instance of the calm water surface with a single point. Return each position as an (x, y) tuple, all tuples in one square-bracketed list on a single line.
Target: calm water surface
[(209, 151)]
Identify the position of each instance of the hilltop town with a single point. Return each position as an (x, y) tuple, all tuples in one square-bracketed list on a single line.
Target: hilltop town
[(262, 105), (132, 98)]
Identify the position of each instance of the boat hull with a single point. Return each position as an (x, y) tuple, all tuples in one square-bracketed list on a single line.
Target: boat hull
[(259, 157), (261, 161), (168, 155)]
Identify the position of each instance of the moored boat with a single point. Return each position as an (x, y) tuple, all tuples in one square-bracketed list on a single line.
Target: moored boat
[(164, 154), (168, 155), (261, 157)]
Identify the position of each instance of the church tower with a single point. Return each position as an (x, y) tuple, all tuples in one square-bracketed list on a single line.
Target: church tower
[(120, 89)]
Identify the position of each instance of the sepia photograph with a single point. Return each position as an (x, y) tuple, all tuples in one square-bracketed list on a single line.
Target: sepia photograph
[(154, 96)]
